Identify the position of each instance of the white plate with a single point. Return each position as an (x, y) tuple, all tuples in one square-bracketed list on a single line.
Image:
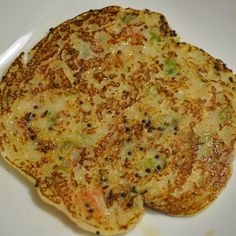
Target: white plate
[(209, 24)]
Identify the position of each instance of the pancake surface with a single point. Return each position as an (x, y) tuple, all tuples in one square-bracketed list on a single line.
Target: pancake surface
[(113, 112)]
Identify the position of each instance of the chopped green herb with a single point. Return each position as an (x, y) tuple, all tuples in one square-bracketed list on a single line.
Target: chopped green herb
[(66, 144), (51, 117), (155, 37), (170, 66), (148, 163), (225, 114), (127, 18)]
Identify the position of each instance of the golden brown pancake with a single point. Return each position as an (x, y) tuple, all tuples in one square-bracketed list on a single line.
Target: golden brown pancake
[(112, 112)]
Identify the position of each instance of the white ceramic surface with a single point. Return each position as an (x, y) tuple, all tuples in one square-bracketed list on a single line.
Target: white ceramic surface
[(209, 24)]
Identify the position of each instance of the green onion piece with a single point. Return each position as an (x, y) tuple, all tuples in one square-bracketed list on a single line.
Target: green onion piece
[(155, 37), (170, 66), (127, 18)]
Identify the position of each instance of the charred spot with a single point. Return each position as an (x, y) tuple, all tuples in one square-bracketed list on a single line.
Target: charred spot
[(123, 194), (130, 202), (145, 191), (36, 183), (110, 199), (137, 175), (129, 140), (173, 33), (33, 136), (45, 146), (27, 117), (90, 210), (44, 113), (133, 189), (231, 79), (127, 129)]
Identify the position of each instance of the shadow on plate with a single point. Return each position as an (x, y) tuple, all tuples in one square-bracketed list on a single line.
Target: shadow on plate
[(39, 203)]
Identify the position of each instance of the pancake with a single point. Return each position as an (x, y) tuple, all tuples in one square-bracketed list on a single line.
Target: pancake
[(111, 113)]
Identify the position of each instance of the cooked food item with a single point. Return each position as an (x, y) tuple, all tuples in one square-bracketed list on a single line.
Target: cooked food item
[(112, 112)]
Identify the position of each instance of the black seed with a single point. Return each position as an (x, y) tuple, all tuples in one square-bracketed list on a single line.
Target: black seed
[(141, 148), (126, 129), (33, 136), (145, 113), (51, 29), (145, 26), (60, 158), (150, 130), (137, 175), (123, 194), (129, 153), (33, 115), (86, 204), (36, 107), (148, 170), (81, 103), (89, 125), (129, 139), (176, 128), (148, 123), (143, 121), (174, 33), (158, 167), (157, 156), (97, 233), (27, 117)]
